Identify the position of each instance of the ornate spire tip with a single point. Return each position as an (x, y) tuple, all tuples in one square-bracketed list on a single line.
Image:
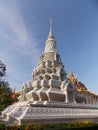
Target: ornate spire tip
[(50, 33), (50, 21)]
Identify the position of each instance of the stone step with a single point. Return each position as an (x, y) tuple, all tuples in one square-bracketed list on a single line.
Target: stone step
[(6, 122)]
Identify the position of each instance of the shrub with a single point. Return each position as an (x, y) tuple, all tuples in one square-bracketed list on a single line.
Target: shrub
[(85, 124), (2, 126)]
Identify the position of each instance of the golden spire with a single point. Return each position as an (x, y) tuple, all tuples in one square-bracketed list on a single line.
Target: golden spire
[(73, 78)]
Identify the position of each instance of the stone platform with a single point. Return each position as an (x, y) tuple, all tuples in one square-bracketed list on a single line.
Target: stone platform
[(26, 112)]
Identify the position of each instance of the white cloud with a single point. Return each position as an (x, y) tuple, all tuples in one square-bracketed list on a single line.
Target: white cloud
[(16, 32)]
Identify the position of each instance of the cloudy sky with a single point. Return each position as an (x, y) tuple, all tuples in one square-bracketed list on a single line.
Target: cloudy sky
[(24, 27)]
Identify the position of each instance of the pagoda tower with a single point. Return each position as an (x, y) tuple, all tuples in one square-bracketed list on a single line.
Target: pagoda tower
[(49, 82), (50, 96)]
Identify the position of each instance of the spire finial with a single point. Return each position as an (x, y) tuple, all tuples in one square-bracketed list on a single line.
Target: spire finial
[(50, 33), (50, 21), (70, 70)]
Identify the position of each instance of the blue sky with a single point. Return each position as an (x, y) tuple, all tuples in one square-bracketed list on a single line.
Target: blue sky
[(24, 27)]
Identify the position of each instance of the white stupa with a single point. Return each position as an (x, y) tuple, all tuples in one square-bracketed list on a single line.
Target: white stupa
[(49, 82), (49, 96)]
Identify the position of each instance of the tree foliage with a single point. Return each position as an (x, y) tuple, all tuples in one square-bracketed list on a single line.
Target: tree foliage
[(5, 91), (2, 69)]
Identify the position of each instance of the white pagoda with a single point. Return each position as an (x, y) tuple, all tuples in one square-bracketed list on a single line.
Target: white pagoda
[(50, 96), (49, 82)]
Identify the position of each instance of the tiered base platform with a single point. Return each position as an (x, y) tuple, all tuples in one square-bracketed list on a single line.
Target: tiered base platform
[(48, 112)]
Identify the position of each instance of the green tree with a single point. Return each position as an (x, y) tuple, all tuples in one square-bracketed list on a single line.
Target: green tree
[(2, 69), (5, 91)]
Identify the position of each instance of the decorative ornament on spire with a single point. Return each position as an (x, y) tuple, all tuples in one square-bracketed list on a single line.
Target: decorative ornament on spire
[(50, 33), (50, 42)]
